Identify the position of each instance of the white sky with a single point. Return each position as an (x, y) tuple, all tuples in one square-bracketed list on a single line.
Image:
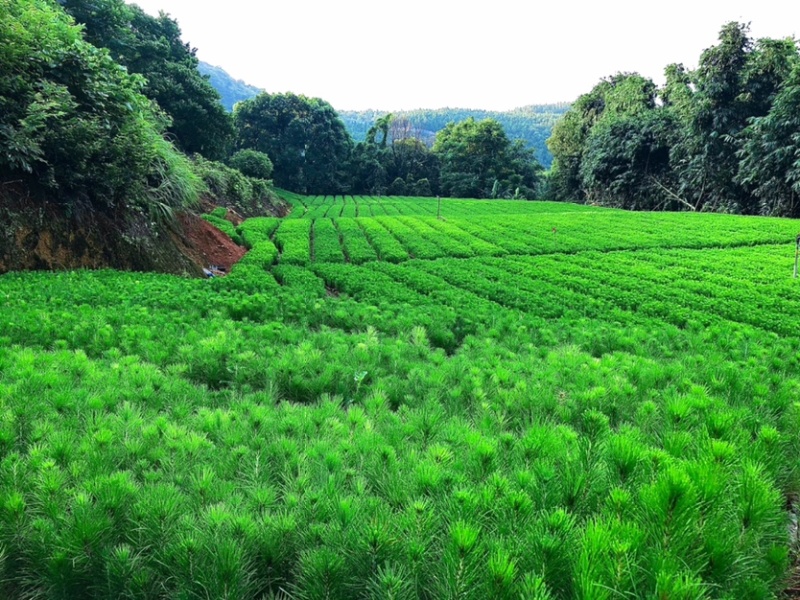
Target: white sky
[(498, 55)]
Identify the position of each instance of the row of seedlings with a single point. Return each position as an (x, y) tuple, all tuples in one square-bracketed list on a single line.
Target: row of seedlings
[(294, 240), (385, 244), (355, 242), (327, 247)]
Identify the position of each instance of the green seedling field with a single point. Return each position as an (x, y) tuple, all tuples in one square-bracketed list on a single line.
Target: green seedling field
[(517, 400)]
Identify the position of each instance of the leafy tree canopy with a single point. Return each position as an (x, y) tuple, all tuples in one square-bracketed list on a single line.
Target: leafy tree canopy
[(252, 163), (723, 137), (393, 160), (304, 137), (74, 121), (479, 161), (152, 47)]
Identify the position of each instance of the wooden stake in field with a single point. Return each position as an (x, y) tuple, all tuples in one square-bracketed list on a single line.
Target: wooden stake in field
[(438, 207), (796, 254)]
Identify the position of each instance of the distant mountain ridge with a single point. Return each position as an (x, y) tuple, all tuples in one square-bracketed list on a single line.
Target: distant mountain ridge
[(532, 124), (231, 90)]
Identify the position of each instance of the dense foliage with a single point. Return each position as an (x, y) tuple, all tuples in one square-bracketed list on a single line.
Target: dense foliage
[(548, 401), (153, 48), (479, 161), (75, 123), (470, 159), (312, 152), (530, 124), (722, 138), (393, 161), (230, 187), (252, 163), (304, 138)]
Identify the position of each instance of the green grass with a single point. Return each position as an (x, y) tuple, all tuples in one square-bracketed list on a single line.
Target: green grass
[(405, 407)]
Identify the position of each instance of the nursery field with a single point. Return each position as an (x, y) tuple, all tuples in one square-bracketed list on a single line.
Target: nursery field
[(522, 400)]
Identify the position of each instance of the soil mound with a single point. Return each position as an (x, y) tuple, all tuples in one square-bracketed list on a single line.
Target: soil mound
[(204, 244), (41, 235)]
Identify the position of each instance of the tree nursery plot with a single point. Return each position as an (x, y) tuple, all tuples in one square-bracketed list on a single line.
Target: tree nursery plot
[(517, 400)]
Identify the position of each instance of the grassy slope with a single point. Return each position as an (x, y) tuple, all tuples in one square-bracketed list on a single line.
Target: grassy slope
[(520, 400)]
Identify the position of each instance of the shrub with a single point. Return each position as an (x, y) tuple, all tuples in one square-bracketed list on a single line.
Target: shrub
[(75, 122), (252, 164), (230, 187)]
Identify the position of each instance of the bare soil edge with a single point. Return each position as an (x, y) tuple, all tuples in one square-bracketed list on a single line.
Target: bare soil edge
[(39, 235)]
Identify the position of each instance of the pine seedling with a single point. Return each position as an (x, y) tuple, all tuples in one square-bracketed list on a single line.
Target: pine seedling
[(458, 574), (391, 582), (620, 502), (321, 574), (548, 548), (261, 497), (464, 536), (711, 481), (625, 454), (722, 452), (502, 574), (156, 513), (607, 565), (428, 477), (276, 545), (121, 565), (115, 494), (533, 587), (759, 502), (679, 586), (225, 571), (672, 515)]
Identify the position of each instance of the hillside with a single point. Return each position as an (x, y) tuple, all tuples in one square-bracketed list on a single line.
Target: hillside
[(531, 124), (230, 90), (520, 399)]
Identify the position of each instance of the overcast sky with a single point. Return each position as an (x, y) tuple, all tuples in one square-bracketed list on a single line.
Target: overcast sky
[(498, 55)]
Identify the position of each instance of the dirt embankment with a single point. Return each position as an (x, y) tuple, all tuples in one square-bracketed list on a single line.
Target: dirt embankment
[(41, 235), (204, 244)]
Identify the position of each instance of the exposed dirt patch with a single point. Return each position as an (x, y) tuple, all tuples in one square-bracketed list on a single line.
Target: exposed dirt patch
[(204, 244), (234, 217), (41, 235)]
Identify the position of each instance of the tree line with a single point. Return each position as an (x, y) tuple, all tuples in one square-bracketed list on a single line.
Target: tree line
[(113, 111), (103, 106), (314, 154), (722, 137), (532, 124)]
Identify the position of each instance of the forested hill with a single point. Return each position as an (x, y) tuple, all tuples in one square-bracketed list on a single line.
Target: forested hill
[(532, 123), (230, 90)]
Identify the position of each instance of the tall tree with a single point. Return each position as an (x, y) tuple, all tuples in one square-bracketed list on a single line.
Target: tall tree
[(394, 160), (304, 137), (626, 162), (620, 96), (770, 156), (736, 81), (476, 155), (153, 48)]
